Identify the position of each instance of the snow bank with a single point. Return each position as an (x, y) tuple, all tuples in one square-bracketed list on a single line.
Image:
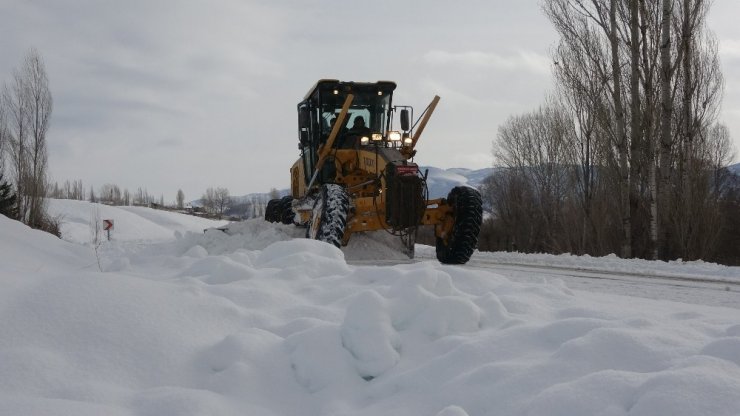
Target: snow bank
[(611, 263), (130, 223), (253, 321), (32, 250)]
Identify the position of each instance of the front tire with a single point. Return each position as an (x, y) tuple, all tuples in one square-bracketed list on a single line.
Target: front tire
[(329, 216), (467, 213)]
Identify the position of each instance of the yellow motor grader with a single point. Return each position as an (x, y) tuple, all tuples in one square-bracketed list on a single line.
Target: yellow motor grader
[(356, 173)]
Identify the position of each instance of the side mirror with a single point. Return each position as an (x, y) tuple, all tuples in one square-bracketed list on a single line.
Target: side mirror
[(405, 120)]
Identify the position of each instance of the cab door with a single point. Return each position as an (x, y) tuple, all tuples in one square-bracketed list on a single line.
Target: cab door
[(307, 140)]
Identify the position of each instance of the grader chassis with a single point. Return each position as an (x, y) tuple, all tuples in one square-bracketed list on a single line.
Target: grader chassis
[(356, 173)]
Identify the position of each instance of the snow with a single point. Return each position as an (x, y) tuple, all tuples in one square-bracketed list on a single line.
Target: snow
[(610, 263), (130, 223), (257, 320)]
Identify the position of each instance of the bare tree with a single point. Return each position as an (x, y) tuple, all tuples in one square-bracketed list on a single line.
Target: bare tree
[(69, 190), (667, 70), (579, 72), (642, 83), (697, 90), (648, 72), (40, 107), (27, 106), (180, 199), (216, 200), (621, 135), (221, 200), (636, 145), (141, 197), (16, 107), (55, 191), (591, 34), (111, 194), (209, 200), (537, 151), (4, 133), (78, 190)]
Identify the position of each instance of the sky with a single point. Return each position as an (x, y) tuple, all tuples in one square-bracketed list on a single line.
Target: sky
[(188, 95)]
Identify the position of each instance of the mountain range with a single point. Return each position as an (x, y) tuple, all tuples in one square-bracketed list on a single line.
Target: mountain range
[(439, 182)]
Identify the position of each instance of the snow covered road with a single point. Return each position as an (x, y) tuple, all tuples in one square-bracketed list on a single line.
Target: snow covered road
[(705, 290), (687, 290)]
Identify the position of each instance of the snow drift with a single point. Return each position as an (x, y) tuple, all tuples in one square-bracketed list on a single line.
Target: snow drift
[(259, 322)]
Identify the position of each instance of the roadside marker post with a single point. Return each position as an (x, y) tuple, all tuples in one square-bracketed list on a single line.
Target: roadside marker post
[(108, 226)]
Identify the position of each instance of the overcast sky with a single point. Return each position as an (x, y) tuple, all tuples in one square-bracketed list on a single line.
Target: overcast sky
[(190, 94)]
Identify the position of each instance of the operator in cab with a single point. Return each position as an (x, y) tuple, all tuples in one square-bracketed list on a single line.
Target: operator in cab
[(351, 140)]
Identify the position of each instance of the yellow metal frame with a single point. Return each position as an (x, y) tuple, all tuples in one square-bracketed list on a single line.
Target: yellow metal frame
[(359, 171)]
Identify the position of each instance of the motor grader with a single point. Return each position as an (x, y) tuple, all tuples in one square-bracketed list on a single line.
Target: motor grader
[(356, 173)]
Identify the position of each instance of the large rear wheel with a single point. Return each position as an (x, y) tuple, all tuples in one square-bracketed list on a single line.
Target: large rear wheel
[(271, 211), (329, 216), (457, 245), (285, 210)]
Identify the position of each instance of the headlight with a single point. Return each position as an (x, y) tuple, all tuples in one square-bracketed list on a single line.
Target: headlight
[(364, 140), (394, 136), (407, 141), (377, 137)]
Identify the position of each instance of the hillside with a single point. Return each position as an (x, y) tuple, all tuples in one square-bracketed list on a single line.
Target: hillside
[(440, 181), (734, 169)]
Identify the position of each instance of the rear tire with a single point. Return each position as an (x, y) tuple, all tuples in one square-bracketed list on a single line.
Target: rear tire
[(284, 210), (271, 210), (467, 211), (329, 216)]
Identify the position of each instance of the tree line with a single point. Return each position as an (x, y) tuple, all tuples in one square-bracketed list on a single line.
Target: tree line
[(109, 194), (216, 202), (627, 154)]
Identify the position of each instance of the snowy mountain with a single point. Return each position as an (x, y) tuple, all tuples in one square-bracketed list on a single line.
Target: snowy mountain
[(734, 169), (259, 321), (440, 181)]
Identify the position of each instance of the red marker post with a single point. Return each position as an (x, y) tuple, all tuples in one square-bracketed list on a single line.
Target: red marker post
[(107, 226)]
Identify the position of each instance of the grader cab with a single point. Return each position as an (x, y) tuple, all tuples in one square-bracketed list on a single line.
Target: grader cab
[(356, 173)]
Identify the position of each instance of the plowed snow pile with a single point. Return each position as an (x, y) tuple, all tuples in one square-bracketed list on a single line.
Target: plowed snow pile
[(258, 322)]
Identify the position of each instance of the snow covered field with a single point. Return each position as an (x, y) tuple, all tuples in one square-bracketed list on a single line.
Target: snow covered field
[(259, 322)]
